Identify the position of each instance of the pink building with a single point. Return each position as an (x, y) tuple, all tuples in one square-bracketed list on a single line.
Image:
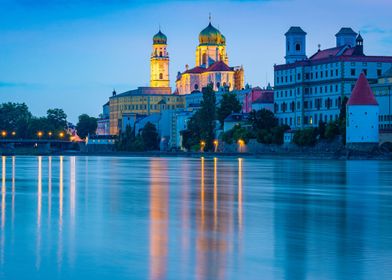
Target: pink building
[(258, 98)]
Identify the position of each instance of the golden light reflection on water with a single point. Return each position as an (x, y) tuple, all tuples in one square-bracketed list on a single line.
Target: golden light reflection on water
[(158, 219), (215, 192), (39, 210), (72, 193), (13, 191), (60, 231), (240, 194), (3, 196)]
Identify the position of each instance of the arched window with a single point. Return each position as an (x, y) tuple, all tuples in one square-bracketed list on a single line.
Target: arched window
[(204, 59), (160, 54), (298, 47), (218, 84), (160, 76)]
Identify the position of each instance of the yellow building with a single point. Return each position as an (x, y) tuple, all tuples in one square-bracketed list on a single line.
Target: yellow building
[(211, 65), (147, 100), (159, 62)]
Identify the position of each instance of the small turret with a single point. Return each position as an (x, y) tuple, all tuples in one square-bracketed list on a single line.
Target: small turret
[(358, 45)]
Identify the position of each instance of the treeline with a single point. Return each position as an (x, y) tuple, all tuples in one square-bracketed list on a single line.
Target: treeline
[(16, 121), (145, 140)]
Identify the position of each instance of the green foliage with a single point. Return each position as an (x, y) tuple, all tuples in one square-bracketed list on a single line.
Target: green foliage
[(15, 117), (229, 104), (57, 119), (305, 137), (201, 126), (235, 134), (147, 140), (332, 130), (150, 137), (263, 119), (86, 125)]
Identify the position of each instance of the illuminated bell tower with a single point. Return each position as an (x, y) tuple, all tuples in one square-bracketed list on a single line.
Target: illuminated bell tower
[(159, 62)]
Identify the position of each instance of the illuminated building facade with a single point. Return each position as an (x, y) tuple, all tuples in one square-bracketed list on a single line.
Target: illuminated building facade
[(212, 65), (147, 100), (310, 90)]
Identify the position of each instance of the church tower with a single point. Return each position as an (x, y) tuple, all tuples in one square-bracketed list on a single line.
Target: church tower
[(159, 62), (295, 44)]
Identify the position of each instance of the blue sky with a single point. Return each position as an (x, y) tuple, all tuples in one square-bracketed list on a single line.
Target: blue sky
[(70, 54)]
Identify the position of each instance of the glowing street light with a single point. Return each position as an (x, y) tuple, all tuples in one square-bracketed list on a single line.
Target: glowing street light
[(13, 133), (40, 133), (202, 145), (50, 134), (241, 143), (61, 134), (216, 143), (3, 133)]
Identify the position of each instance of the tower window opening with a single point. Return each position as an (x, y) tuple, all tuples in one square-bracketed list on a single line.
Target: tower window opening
[(204, 58), (160, 76), (297, 47), (160, 54)]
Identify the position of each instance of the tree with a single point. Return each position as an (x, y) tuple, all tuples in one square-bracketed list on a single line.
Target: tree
[(263, 119), (229, 104), (15, 117), (201, 125), (57, 119), (86, 125), (305, 137), (150, 137)]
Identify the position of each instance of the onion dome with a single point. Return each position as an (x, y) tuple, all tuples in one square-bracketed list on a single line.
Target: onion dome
[(159, 38), (212, 36)]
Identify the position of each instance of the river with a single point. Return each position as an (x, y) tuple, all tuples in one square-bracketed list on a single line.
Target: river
[(194, 218)]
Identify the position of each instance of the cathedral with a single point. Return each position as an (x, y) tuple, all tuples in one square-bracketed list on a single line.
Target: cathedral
[(212, 65)]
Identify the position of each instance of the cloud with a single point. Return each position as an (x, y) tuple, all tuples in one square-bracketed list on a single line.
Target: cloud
[(4, 84), (374, 29)]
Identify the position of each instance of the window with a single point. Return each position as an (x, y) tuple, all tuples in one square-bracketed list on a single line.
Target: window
[(352, 72), (299, 77), (160, 76), (160, 54), (204, 58), (297, 47), (364, 71), (379, 72)]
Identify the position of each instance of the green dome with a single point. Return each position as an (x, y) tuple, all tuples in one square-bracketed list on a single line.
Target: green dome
[(159, 38), (211, 35)]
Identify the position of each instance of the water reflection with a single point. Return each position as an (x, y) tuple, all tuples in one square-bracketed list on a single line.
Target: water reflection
[(159, 213), (164, 218), (3, 197), (39, 210)]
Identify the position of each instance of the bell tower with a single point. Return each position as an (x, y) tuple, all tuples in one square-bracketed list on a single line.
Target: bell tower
[(295, 44), (159, 62)]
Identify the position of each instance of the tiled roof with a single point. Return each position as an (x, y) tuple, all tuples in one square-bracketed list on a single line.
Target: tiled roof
[(266, 97), (362, 93), (219, 66), (195, 70)]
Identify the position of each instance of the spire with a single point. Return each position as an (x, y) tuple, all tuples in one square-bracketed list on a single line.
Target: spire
[(362, 93), (209, 17)]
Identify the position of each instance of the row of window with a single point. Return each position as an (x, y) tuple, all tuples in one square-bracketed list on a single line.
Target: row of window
[(318, 104), (385, 118), (144, 107), (309, 120)]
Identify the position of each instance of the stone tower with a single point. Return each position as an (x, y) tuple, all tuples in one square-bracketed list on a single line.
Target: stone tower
[(345, 36), (295, 44), (159, 62), (362, 116)]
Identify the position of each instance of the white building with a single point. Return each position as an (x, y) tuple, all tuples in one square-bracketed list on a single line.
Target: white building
[(310, 90), (362, 115)]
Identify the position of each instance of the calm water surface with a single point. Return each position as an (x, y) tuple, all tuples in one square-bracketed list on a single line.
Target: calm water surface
[(183, 218)]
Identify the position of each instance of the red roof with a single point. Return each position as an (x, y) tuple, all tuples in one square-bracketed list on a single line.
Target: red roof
[(362, 94), (219, 66), (195, 70)]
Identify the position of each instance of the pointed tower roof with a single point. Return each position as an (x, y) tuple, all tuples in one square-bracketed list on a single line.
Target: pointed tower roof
[(362, 93)]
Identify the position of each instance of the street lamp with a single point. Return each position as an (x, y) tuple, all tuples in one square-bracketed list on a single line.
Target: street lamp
[(13, 133), (40, 133), (61, 134), (202, 145), (3, 133), (216, 143), (50, 134), (241, 143)]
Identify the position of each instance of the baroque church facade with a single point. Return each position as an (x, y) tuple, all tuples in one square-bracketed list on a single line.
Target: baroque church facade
[(212, 66)]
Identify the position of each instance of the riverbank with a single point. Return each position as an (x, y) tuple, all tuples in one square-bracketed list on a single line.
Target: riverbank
[(342, 154)]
